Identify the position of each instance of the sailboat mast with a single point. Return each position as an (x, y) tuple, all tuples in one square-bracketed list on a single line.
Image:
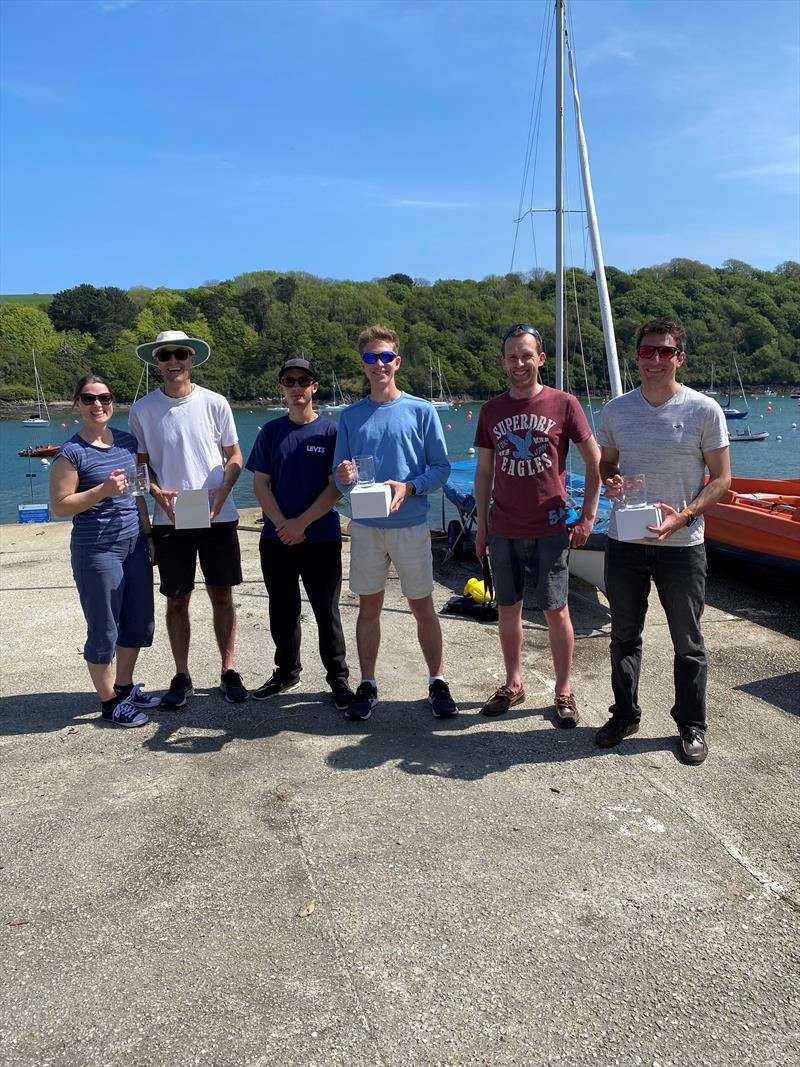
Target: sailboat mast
[(559, 352), (597, 250)]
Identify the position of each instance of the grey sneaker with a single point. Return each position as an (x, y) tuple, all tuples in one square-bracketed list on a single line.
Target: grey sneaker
[(442, 704), (693, 744), (502, 699), (362, 703)]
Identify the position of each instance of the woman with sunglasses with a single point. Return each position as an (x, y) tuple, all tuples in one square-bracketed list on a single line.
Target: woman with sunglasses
[(91, 480)]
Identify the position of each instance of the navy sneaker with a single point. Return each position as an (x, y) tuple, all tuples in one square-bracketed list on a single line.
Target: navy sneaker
[(231, 685), (138, 697), (365, 699), (180, 689), (342, 694), (125, 714), (274, 685), (442, 704)]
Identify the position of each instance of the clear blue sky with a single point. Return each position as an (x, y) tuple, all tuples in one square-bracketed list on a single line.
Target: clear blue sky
[(158, 142)]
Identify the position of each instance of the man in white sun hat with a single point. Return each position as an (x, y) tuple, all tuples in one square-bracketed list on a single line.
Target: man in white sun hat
[(188, 437)]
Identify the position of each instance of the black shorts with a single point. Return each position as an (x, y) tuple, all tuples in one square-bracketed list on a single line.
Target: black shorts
[(177, 552)]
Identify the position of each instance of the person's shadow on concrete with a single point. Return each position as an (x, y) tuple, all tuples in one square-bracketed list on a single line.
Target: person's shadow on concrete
[(400, 732), (462, 748)]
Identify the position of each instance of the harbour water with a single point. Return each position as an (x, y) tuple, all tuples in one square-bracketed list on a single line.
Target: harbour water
[(23, 480)]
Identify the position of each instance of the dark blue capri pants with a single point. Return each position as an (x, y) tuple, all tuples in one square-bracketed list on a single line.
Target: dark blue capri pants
[(115, 583)]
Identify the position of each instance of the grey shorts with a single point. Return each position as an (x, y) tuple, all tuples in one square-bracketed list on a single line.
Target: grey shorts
[(547, 558)]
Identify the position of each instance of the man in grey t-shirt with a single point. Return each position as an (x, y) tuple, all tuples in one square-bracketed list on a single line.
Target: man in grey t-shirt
[(670, 434)]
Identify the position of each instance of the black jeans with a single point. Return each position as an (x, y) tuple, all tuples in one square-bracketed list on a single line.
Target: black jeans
[(320, 567), (680, 579)]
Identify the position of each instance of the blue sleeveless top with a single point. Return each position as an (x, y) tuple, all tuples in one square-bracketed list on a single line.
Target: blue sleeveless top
[(116, 517)]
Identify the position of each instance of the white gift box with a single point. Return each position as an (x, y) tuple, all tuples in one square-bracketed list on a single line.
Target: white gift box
[(371, 501), (632, 523), (192, 510)]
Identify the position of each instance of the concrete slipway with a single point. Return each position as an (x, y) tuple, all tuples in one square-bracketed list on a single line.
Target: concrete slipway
[(483, 892)]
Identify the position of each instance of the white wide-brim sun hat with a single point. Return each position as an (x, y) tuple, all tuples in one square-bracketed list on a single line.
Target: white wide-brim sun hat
[(201, 349)]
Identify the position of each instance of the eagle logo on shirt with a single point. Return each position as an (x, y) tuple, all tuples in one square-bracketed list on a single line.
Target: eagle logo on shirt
[(522, 445)]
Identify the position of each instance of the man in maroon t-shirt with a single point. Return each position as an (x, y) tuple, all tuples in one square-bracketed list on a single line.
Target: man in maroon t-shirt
[(522, 439)]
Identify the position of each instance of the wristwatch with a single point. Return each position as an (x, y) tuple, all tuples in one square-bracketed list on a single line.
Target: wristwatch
[(689, 515), (411, 489)]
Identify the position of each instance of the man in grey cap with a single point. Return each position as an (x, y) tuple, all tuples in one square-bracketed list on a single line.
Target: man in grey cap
[(292, 465), (188, 437)]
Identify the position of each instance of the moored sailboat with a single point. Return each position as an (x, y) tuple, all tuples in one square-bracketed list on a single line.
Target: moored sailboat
[(38, 419), (444, 401), (587, 561), (338, 400)]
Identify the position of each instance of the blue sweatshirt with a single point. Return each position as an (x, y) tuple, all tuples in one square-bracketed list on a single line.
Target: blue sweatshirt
[(406, 438)]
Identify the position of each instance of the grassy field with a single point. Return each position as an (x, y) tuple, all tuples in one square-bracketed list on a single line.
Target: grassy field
[(26, 298)]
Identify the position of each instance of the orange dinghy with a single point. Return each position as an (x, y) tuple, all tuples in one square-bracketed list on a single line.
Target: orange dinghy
[(758, 520), (39, 451)]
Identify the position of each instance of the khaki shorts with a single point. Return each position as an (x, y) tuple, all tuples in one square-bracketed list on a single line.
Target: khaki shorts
[(373, 548)]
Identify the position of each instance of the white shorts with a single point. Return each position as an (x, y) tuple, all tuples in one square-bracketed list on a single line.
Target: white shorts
[(373, 548)]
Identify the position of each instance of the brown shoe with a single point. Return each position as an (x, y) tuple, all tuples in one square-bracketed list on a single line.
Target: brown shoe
[(566, 710), (501, 700)]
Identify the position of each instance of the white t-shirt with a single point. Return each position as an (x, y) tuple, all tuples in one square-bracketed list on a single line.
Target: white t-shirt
[(666, 444), (184, 438)]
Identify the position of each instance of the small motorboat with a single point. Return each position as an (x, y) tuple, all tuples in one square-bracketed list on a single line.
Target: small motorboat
[(758, 520), (748, 435), (38, 451)]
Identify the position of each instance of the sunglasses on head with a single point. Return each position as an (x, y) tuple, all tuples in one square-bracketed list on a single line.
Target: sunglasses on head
[(662, 351), (302, 380), (89, 398), (522, 327), (164, 355), (373, 357)]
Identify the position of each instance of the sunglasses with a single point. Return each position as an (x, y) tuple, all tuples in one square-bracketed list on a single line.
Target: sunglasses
[(662, 351), (373, 357), (89, 398), (522, 327), (164, 355), (303, 381)]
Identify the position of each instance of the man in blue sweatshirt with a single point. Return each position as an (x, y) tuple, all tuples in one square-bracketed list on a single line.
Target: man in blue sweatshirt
[(405, 437)]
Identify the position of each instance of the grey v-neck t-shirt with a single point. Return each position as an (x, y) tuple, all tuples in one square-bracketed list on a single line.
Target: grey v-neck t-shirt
[(666, 444)]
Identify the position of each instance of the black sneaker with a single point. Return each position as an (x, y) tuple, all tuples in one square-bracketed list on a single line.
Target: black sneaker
[(365, 699), (180, 689), (342, 694), (693, 744), (230, 684), (125, 714), (615, 730), (273, 686), (442, 704)]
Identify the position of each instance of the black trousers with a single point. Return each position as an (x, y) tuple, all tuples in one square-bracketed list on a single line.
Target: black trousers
[(679, 575), (319, 565)]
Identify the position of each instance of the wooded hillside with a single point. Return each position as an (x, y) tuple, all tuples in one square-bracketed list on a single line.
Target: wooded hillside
[(255, 320)]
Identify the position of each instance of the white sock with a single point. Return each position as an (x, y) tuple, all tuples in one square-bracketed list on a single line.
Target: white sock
[(369, 681), (435, 678)]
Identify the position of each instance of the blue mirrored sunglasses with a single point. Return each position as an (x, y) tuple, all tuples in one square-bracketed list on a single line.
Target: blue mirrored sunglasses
[(373, 357), (522, 327)]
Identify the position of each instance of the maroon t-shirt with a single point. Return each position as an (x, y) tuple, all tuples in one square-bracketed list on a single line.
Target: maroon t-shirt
[(530, 439)]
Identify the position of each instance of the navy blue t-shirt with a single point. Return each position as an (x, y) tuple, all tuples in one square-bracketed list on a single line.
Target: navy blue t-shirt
[(114, 518), (299, 461)]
